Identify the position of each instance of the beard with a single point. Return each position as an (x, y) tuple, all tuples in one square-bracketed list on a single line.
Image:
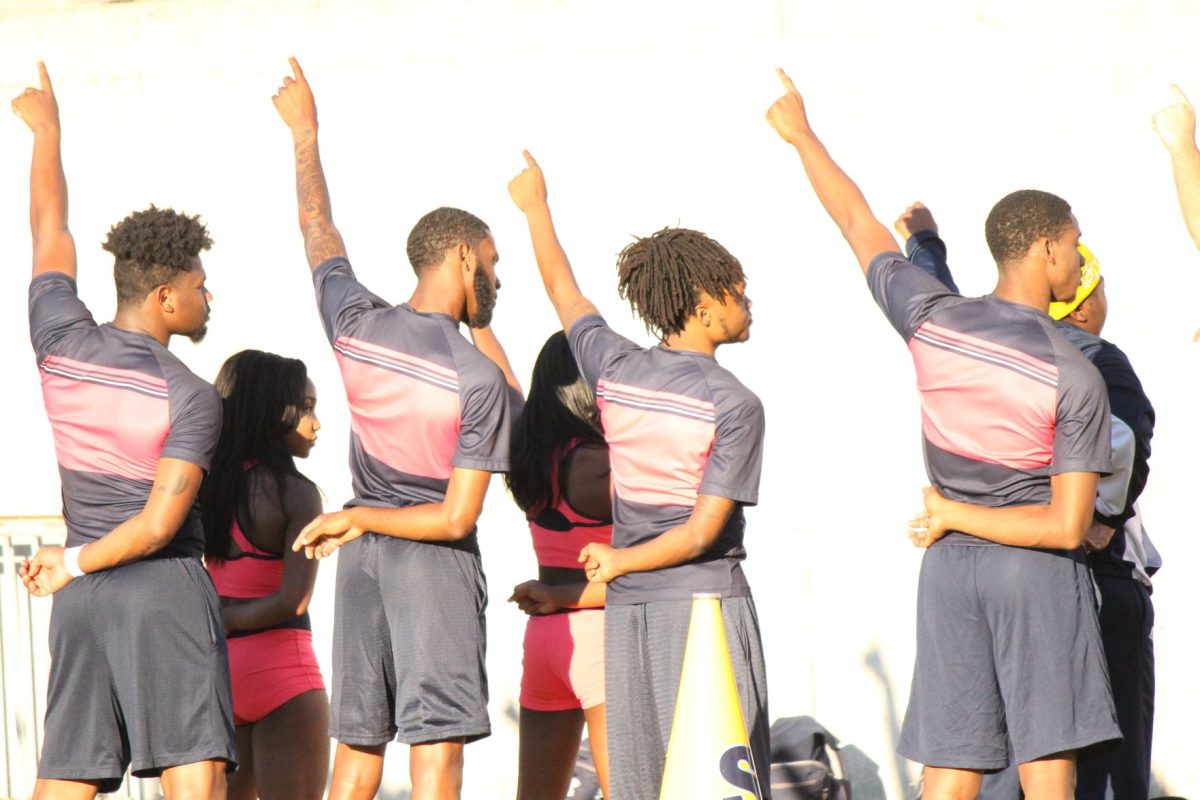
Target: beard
[(485, 301), (197, 336)]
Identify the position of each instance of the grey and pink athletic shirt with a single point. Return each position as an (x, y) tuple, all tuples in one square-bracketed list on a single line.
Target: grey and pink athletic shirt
[(1006, 400), (423, 400), (118, 401), (677, 425)]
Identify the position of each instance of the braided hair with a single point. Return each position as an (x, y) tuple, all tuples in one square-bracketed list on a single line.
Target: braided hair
[(662, 276)]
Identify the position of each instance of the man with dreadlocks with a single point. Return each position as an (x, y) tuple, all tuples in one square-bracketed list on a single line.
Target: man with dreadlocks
[(138, 671), (685, 439), (429, 424), (1016, 432)]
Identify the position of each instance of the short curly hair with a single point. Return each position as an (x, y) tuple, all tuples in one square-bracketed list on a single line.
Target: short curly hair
[(152, 248), (438, 231), (1020, 219), (662, 276)]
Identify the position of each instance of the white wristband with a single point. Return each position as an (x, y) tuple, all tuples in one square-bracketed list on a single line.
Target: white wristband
[(71, 561)]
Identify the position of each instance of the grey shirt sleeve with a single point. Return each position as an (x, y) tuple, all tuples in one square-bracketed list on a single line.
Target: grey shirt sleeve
[(905, 293)]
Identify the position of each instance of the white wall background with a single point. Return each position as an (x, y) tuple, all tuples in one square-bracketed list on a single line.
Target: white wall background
[(645, 114)]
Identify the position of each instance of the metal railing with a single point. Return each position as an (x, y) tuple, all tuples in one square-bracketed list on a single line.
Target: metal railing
[(25, 662)]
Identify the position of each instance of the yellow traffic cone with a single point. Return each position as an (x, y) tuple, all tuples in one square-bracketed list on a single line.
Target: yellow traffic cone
[(709, 752)]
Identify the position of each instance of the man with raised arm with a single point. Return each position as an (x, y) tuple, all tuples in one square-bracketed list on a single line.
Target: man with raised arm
[(1120, 554), (138, 671), (1176, 126), (430, 420), (685, 439), (1016, 433)]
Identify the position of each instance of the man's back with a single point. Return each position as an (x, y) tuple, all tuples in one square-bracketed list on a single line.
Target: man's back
[(118, 401)]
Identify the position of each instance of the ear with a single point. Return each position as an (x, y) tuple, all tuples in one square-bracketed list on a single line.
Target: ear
[(703, 312), (1079, 315), (463, 251), (165, 298)]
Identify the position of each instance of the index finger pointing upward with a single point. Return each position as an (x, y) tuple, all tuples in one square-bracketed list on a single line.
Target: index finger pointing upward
[(787, 82), (529, 159), (1179, 95), (299, 73), (44, 77)]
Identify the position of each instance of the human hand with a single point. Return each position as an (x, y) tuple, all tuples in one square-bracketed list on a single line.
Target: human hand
[(1098, 537), (534, 598), (787, 115), (916, 218), (1176, 124), (325, 534), (38, 108), (294, 101), (928, 526), (600, 562), (45, 573), (528, 189)]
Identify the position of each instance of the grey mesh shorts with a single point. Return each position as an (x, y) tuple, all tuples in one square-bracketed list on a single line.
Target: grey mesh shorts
[(1008, 652), (643, 659), (138, 674), (408, 644)]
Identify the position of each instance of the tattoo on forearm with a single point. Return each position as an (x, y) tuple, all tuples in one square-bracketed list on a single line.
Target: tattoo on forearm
[(175, 487), (321, 238)]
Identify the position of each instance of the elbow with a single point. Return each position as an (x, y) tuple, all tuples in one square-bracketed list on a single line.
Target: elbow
[(459, 527)]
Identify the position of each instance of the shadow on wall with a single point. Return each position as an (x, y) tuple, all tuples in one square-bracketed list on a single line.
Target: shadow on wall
[(873, 661)]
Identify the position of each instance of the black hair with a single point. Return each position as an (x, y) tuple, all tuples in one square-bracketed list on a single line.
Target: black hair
[(262, 400), (662, 276), (152, 248), (560, 408), (1020, 219), (438, 231)]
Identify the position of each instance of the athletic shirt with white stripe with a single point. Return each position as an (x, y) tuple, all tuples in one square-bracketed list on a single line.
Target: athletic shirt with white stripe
[(677, 425), (118, 401), (423, 400), (1006, 401)]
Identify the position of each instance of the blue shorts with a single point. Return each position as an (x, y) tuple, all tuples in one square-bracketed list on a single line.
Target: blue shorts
[(138, 674), (1008, 653), (408, 643)]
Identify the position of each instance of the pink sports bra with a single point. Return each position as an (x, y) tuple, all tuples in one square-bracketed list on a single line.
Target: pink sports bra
[(560, 532), (251, 573)]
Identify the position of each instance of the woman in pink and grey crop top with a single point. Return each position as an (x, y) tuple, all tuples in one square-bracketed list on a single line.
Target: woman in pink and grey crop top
[(560, 479), (254, 503)]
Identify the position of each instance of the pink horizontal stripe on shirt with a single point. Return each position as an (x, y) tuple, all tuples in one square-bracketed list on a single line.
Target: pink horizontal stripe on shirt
[(989, 351), (395, 360), (658, 458), (109, 376), (406, 422), (982, 411), (105, 429)]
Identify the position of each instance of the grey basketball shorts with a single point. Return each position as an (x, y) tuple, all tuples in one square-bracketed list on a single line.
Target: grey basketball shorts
[(1008, 652), (643, 660), (408, 643), (138, 674)]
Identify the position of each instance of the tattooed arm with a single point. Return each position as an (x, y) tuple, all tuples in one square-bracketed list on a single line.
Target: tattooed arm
[(296, 106), (175, 485)]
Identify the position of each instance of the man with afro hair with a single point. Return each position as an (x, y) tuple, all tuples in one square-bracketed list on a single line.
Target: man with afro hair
[(1016, 433), (685, 439), (138, 672)]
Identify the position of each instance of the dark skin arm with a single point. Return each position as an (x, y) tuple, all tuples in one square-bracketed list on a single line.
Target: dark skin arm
[(840, 196), (1176, 126), (453, 519), (296, 106), (303, 503), (1060, 524), (175, 485), (528, 191), (693, 538), (53, 245)]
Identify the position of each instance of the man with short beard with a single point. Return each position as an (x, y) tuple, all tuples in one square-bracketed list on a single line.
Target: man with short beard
[(138, 672), (429, 424)]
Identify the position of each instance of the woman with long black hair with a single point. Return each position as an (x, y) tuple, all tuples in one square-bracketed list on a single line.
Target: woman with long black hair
[(560, 480), (254, 503)]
